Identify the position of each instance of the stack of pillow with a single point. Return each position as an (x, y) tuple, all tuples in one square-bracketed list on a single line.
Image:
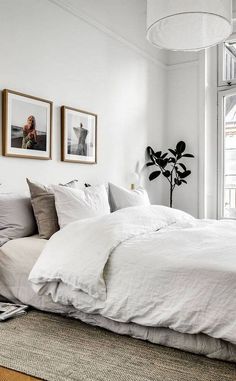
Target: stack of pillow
[(53, 207)]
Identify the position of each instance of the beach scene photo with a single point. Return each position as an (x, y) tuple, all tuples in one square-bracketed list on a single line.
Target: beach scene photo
[(28, 126)]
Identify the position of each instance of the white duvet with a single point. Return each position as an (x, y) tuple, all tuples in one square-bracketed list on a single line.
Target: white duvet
[(152, 265)]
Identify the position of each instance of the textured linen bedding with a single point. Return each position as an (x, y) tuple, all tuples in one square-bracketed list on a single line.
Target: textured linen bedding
[(152, 266), (17, 258)]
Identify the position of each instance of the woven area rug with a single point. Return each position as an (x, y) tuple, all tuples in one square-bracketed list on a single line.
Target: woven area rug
[(55, 348)]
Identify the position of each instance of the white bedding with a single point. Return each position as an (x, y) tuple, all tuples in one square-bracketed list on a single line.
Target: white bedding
[(17, 257), (152, 266)]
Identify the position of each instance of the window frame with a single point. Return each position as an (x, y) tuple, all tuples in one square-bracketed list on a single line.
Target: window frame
[(220, 81), (222, 93)]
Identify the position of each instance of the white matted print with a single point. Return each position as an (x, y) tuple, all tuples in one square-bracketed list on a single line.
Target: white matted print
[(79, 136), (27, 126)]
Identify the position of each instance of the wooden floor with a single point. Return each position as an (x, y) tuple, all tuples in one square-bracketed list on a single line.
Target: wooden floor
[(11, 375)]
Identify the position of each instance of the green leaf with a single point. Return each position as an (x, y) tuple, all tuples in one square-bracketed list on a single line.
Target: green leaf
[(178, 182), (184, 181), (172, 151), (164, 163), (183, 166), (154, 175), (157, 160), (150, 151), (166, 173), (149, 164), (158, 154), (180, 147), (182, 175), (171, 160), (187, 155), (164, 155)]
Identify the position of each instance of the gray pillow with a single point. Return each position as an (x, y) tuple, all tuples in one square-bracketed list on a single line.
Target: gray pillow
[(16, 217), (43, 202)]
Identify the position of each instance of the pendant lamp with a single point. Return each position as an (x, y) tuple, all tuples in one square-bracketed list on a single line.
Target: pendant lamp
[(188, 24)]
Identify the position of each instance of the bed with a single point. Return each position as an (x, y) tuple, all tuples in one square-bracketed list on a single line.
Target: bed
[(18, 257)]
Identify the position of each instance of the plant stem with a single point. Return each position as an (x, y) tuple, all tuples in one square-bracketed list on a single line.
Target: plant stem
[(171, 189)]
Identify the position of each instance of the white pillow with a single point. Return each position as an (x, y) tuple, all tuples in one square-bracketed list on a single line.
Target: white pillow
[(76, 204), (123, 198)]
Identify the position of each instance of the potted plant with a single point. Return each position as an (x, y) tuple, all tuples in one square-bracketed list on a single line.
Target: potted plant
[(170, 165)]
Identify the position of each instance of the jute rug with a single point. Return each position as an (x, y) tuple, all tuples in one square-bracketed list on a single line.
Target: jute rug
[(55, 348)]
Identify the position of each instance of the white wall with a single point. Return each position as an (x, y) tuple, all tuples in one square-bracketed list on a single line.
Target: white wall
[(50, 53), (183, 124), (174, 58), (122, 17), (192, 116)]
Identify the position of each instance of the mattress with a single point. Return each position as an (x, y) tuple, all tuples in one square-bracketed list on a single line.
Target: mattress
[(17, 258)]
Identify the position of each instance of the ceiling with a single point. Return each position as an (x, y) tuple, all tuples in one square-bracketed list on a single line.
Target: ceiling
[(127, 18)]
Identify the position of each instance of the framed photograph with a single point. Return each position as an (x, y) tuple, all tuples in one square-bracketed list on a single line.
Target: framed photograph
[(27, 126), (78, 136)]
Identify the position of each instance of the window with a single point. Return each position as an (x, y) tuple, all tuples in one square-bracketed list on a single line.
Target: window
[(227, 153), (227, 129), (227, 63)]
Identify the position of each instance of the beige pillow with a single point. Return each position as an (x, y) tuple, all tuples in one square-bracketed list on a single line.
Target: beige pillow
[(43, 203)]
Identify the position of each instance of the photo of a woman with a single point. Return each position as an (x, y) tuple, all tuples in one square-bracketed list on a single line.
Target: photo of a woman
[(29, 133), (27, 126)]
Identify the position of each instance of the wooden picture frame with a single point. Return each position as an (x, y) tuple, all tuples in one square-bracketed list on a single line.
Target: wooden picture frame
[(78, 136), (26, 126)]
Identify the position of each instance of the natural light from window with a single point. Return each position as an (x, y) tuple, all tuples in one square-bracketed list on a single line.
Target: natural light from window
[(230, 157), (230, 61)]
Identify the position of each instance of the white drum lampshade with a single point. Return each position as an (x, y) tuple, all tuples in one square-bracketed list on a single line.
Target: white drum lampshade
[(188, 24)]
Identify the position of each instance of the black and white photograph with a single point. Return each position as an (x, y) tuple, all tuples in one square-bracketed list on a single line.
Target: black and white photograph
[(27, 126), (79, 136)]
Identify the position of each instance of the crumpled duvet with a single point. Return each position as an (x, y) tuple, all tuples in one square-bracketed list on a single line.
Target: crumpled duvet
[(152, 265)]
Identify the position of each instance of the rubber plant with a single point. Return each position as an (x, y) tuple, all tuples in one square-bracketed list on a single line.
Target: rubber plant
[(170, 165)]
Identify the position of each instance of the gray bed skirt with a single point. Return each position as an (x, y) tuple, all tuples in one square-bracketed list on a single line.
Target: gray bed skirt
[(200, 344)]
